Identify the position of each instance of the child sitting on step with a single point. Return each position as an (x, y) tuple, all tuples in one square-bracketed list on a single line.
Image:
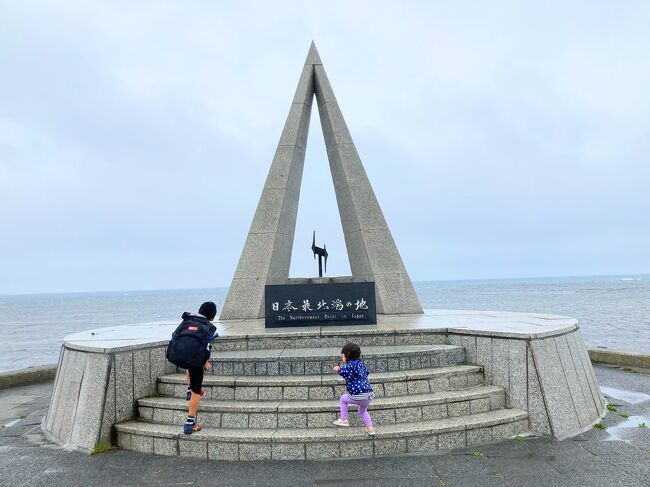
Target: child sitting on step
[(359, 390)]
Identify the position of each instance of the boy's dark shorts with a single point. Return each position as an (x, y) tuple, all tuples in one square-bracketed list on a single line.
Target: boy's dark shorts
[(196, 380)]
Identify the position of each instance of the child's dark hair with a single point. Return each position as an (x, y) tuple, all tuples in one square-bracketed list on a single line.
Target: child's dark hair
[(209, 310), (352, 351)]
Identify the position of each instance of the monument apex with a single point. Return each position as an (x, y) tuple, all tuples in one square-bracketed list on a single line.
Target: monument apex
[(372, 253)]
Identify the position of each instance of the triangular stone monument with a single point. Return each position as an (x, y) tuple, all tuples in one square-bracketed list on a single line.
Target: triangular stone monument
[(372, 253)]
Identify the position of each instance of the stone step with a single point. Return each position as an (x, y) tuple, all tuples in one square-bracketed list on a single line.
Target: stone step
[(309, 361), (314, 443), (321, 413), (254, 338), (329, 386)]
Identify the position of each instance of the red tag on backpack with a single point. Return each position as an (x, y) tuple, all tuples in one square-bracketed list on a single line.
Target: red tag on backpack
[(193, 328)]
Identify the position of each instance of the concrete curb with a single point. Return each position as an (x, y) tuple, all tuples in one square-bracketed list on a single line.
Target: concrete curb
[(614, 357), (30, 375)]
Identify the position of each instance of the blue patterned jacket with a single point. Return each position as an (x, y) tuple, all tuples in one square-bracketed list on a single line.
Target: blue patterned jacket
[(355, 374)]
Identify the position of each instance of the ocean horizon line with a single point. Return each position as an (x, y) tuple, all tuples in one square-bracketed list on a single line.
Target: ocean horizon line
[(194, 289)]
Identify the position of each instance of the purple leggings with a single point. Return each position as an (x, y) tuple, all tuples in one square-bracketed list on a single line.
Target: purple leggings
[(363, 409)]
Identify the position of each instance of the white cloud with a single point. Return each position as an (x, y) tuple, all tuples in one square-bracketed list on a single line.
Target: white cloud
[(486, 128)]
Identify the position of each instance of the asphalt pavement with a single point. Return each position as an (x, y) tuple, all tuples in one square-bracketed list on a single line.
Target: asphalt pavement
[(617, 455)]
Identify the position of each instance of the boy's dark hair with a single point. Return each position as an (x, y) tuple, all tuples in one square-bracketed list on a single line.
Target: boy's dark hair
[(209, 310), (352, 351)]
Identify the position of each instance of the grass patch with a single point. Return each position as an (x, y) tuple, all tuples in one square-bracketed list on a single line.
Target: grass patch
[(443, 483), (22, 417), (624, 415), (477, 454), (642, 425), (611, 407), (100, 447), (519, 438), (630, 369), (447, 341), (600, 425)]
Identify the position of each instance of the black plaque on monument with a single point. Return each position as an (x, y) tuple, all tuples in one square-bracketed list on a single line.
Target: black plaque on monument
[(344, 303)]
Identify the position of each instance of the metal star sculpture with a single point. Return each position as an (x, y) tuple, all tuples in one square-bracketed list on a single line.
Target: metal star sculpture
[(320, 252)]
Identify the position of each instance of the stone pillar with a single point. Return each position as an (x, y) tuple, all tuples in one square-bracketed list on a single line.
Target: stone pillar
[(266, 256), (372, 252)]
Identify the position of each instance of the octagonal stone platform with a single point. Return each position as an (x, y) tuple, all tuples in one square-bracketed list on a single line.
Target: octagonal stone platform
[(445, 379)]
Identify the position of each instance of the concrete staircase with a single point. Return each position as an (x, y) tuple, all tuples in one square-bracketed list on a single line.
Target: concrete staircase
[(280, 403)]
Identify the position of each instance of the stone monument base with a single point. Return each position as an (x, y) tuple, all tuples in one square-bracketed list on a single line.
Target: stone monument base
[(443, 380)]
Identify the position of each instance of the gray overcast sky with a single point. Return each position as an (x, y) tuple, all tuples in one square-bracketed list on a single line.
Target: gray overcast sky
[(503, 139)]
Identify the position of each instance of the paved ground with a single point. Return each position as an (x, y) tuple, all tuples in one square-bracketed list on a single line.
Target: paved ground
[(619, 455)]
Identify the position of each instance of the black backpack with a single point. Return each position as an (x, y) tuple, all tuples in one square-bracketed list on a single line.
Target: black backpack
[(188, 348)]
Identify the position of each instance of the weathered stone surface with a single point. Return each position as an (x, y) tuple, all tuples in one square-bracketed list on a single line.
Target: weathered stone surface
[(500, 363), (518, 381), (435, 411), (207, 418), (192, 448), (159, 364), (69, 394), (305, 418), (581, 351), (143, 385), (58, 384), (458, 408), (457, 382), (292, 420), (390, 447), (372, 252), (108, 418), (555, 389), (479, 436), (234, 420), (469, 343), (484, 356), (480, 405), (165, 446), (124, 440), (356, 448), (141, 443), (537, 415), (316, 451), (581, 402), (87, 423), (254, 451), (244, 299), (502, 431), (395, 293), (418, 386), (263, 420), (287, 451), (449, 441), (223, 451), (246, 393), (124, 400), (422, 443)]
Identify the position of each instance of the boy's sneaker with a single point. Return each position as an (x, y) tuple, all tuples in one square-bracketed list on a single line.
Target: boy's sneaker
[(188, 429), (188, 394), (371, 431), (341, 422)]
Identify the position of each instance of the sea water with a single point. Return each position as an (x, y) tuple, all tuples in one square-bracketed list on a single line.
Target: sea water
[(614, 311)]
